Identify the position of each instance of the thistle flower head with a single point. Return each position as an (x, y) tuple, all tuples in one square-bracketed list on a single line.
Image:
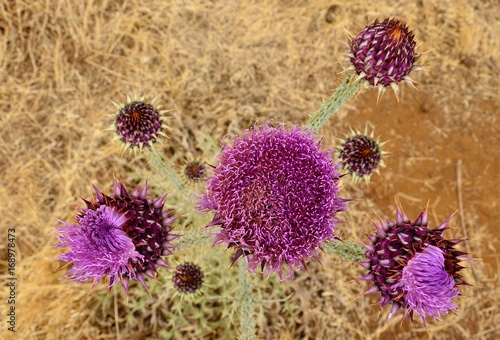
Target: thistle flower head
[(118, 237), (188, 278), (414, 267), (138, 124), (361, 155), (275, 196), (194, 171), (383, 54)]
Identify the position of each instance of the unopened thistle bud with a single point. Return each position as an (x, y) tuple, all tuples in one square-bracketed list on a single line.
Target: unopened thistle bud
[(383, 54), (361, 155), (138, 124), (194, 171), (188, 278)]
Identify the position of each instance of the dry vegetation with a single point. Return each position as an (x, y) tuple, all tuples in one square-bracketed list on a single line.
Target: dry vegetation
[(220, 66)]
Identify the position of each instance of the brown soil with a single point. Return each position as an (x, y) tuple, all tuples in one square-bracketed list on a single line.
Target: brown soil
[(428, 148)]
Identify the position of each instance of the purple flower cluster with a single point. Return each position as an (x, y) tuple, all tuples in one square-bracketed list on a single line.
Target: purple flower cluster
[(275, 196)]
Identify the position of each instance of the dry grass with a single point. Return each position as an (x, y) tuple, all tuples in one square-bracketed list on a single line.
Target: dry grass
[(220, 66)]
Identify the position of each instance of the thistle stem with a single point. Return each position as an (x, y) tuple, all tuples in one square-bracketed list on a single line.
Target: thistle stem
[(165, 168), (347, 250), (348, 89), (247, 312)]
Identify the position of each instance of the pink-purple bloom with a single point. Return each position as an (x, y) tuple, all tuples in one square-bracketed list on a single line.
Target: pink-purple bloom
[(275, 196), (414, 267), (119, 237), (429, 288)]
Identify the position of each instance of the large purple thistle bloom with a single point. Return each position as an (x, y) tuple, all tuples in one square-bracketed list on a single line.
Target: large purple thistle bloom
[(414, 267), (119, 237), (274, 193)]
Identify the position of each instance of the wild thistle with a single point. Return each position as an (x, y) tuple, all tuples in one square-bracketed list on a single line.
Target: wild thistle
[(275, 196), (383, 54), (414, 267), (138, 124), (188, 278), (119, 237), (361, 155)]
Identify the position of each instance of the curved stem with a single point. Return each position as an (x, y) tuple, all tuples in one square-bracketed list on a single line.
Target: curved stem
[(348, 89), (165, 168)]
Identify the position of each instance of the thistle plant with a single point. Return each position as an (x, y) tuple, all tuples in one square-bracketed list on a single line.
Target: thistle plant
[(273, 197), (119, 237), (413, 267), (381, 55), (361, 155)]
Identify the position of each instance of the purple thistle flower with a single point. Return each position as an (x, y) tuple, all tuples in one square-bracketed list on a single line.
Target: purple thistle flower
[(188, 278), (383, 54), (429, 288), (361, 155), (274, 193), (138, 124), (119, 237), (414, 267)]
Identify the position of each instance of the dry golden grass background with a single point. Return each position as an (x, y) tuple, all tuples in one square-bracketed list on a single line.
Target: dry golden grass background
[(220, 66)]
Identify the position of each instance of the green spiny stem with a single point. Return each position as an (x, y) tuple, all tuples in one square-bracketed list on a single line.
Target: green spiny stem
[(247, 309), (165, 168), (347, 250), (344, 92)]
